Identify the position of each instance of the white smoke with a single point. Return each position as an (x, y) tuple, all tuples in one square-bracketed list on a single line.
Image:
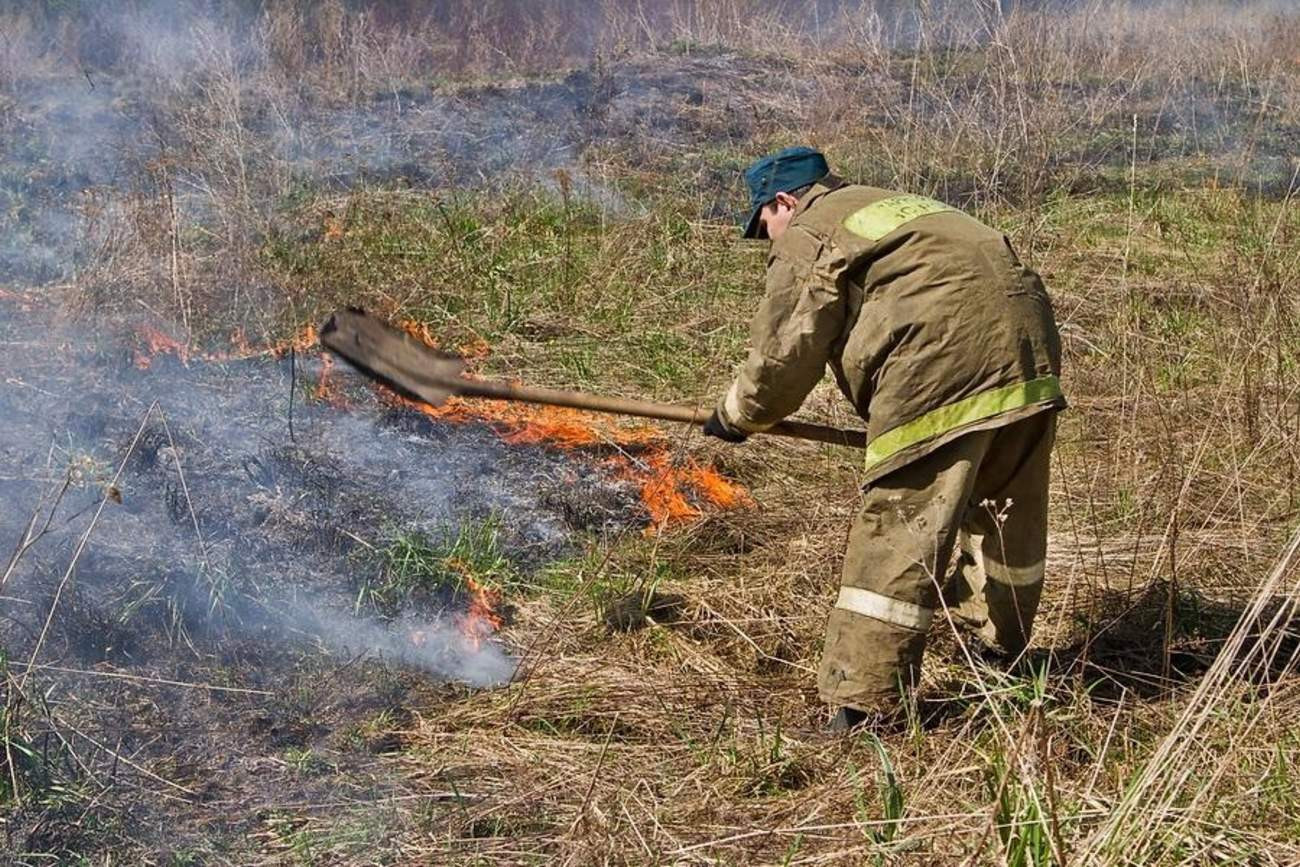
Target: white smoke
[(440, 647)]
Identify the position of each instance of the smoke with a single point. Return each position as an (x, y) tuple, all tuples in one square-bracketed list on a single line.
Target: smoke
[(439, 647), (128, 130), (227, 112), (224, 525)]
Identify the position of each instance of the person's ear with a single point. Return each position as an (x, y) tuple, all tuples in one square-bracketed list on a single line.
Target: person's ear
[(786, 199)]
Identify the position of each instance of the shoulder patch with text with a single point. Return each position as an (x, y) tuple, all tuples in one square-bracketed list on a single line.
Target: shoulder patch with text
[(877, 220)]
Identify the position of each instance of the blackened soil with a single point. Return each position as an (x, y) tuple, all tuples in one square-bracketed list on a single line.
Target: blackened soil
[(210, 661)]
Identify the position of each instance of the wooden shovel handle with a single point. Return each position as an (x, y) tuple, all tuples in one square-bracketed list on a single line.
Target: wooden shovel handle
[(402, 362), (497, 390)]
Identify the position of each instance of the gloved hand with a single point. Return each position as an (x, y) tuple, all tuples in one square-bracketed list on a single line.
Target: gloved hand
[(715, 427)]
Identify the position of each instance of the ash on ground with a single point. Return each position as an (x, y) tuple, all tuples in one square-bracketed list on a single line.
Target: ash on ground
[(265, 566)]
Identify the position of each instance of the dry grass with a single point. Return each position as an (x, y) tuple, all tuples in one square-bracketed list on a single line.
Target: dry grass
[(1139, 157)]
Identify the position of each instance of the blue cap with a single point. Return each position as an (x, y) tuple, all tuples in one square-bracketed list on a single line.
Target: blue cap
[(780, 172)]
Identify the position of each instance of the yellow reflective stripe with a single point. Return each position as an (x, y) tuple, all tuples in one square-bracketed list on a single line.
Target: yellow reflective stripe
[(877, 220), (975, 408)]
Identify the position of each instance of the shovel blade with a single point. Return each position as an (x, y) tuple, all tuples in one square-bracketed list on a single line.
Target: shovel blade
[(391, 356)]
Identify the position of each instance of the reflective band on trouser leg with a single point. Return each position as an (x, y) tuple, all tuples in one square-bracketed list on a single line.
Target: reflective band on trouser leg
[(1015, 576), (875, 605), (975, 408)]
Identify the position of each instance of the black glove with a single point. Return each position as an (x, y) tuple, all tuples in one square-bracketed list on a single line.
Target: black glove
[(716, 427)]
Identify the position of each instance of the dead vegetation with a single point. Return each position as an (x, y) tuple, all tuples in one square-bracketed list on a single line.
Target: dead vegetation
[(557, 182)]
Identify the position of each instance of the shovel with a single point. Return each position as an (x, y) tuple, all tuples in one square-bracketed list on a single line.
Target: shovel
[(417, 371)]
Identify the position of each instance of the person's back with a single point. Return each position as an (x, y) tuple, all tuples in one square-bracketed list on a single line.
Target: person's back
[(938, 307)]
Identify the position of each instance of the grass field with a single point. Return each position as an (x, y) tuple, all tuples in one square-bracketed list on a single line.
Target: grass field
[(553, 189)]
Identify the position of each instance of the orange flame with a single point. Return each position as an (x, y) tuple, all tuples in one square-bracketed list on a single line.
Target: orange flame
[(670, 490), (420, 331), (474, 349), (667, 489), (326, 389), (481, 619), (305, 339), (523, 423), (332, 228), (155, 343), (478, 622)]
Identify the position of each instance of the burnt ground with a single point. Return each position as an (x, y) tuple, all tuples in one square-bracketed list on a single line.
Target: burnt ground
[(274, 715), (70, 147), (75, 149), (269, 578), (257, 575)]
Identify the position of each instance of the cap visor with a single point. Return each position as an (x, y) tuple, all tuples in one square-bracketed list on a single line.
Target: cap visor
[(754, 228)]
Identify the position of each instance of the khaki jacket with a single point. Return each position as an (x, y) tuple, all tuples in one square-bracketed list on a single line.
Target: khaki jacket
[(930, 324)]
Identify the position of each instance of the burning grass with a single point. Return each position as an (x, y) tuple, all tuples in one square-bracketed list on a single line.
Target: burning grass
[(672, 489)]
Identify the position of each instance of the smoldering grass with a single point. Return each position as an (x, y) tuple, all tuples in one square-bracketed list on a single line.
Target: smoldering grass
[(438, 646)]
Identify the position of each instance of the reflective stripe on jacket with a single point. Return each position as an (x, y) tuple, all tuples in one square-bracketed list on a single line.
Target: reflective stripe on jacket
[(930, 324)]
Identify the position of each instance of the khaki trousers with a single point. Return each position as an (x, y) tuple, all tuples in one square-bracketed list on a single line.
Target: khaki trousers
[(986, 492)]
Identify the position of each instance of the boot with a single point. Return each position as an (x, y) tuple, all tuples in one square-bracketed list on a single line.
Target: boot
[(846, 719)]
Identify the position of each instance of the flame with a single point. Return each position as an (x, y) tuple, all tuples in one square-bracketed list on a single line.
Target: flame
[(332, 228), (420, 331), (475, 349), (155, 343), (306, 338), (521, 423), (668, 488), (671, 490), (326, 389), (481, 619)]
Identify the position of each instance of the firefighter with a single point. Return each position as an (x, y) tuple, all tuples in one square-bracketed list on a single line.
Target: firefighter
[(946, 345)]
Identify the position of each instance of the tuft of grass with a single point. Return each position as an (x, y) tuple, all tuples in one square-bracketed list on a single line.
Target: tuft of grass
[(1020, 816), (884, 829), (307, 762), (414, 568)]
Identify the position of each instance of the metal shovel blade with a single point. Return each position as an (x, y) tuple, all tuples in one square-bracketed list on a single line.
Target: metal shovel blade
[(392, 356)]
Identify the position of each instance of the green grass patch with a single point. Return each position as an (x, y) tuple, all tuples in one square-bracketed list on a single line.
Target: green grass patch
[(655, 303), (414, 568)]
